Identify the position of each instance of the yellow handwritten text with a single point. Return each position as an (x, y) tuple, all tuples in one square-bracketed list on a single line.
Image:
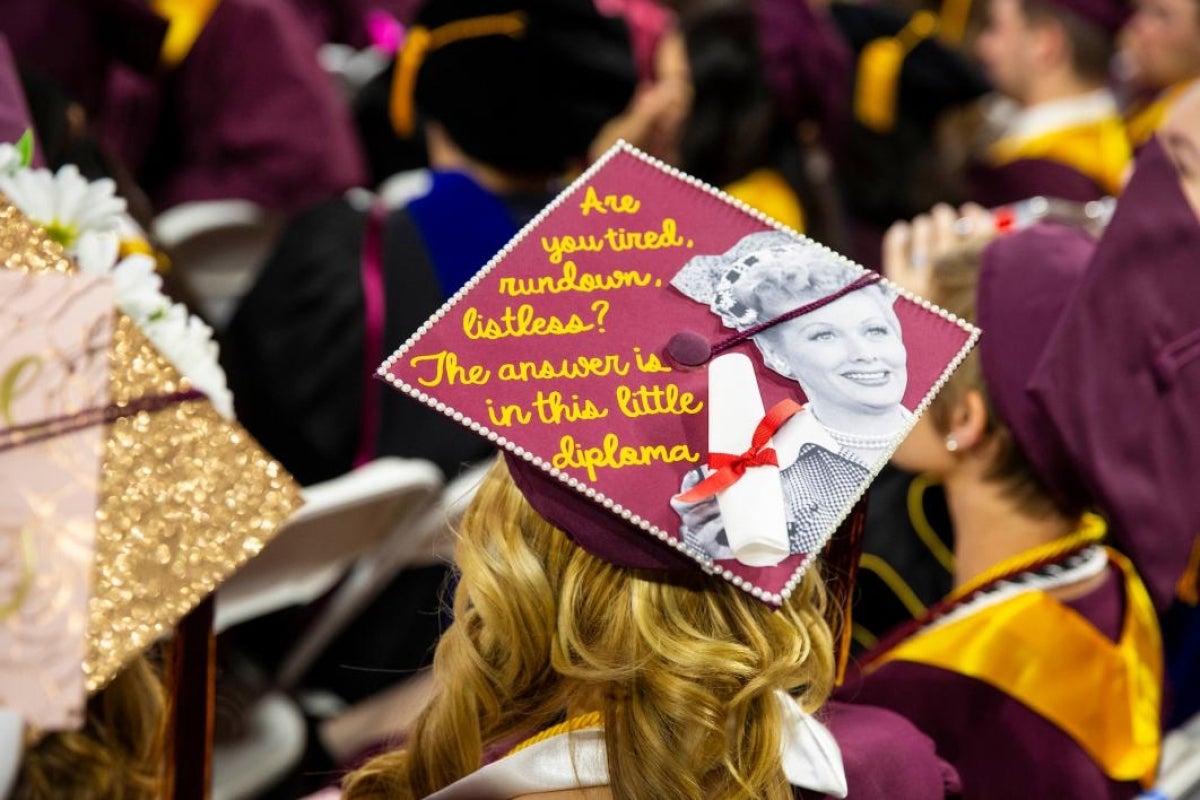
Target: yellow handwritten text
[(611, 454), (621, 239), (650, 363), (523, 321), (616, 239), (572, 281), (446, 368), (570, 369), (625, 204), (557, 246), (552, 408), (646, 401), (507, 414)]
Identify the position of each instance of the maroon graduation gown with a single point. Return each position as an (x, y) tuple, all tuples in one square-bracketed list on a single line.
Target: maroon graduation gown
[(248, 114), (885, 757), (14, 112)]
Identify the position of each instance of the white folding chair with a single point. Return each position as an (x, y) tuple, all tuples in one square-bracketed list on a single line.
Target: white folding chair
[(416, 541), (218, 248), (274, 743), (341, 520)]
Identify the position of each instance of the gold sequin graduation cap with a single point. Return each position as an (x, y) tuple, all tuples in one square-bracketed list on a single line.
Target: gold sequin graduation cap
[(185, 496)]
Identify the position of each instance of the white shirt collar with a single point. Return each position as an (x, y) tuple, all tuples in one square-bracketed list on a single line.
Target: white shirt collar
[(1044, 118), (577, 760)]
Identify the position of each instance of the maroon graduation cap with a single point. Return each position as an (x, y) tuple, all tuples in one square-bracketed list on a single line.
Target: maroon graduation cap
[(677, 381)]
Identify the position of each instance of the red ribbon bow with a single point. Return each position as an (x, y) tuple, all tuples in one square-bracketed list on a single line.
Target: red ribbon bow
[(730, 468)]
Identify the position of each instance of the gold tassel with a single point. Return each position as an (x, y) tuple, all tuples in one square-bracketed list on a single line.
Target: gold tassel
[(955, 15), (186, 20), (419, 42), (877, 88), (404, 83)]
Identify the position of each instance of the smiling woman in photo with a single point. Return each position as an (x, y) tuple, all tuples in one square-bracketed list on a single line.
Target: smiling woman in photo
[(848, 357)]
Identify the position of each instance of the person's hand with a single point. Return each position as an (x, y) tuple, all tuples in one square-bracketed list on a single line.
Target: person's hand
[(653, 121), (911, 248)]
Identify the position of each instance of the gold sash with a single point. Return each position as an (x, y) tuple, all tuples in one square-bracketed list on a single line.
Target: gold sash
[(1050, 659), (1099, 150), (1144, 122)]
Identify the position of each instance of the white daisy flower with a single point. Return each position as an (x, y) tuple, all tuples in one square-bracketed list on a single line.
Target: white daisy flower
[(10, 159), (136, 282), (88, 219), (18, 155), (187, 342), (65, 203), (184, 340)]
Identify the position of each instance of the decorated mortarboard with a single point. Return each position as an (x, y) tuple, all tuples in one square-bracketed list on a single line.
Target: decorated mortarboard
[(678, 382), (181, 495)]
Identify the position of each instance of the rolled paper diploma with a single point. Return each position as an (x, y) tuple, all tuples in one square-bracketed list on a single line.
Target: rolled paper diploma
[(753, 509)]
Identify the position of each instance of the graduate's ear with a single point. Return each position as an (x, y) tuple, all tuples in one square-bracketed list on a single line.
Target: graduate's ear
[(969, 421)]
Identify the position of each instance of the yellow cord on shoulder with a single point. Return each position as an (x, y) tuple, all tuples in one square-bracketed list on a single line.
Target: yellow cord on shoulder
[(592, 719), (920, 522), (864, 637), (1092, 530), (873, 563)]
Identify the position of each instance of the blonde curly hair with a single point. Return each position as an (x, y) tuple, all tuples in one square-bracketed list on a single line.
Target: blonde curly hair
[(685, 676), (117, 755)]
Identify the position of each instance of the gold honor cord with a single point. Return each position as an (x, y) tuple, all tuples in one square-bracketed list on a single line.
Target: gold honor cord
[(592, 719), (920, 522), (420, 42)]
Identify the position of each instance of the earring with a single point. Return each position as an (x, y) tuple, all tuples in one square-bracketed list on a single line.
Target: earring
[(951, 444)]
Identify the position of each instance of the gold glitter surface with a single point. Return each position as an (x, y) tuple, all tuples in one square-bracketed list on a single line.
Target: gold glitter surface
[(186, 496), (24, 246)]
